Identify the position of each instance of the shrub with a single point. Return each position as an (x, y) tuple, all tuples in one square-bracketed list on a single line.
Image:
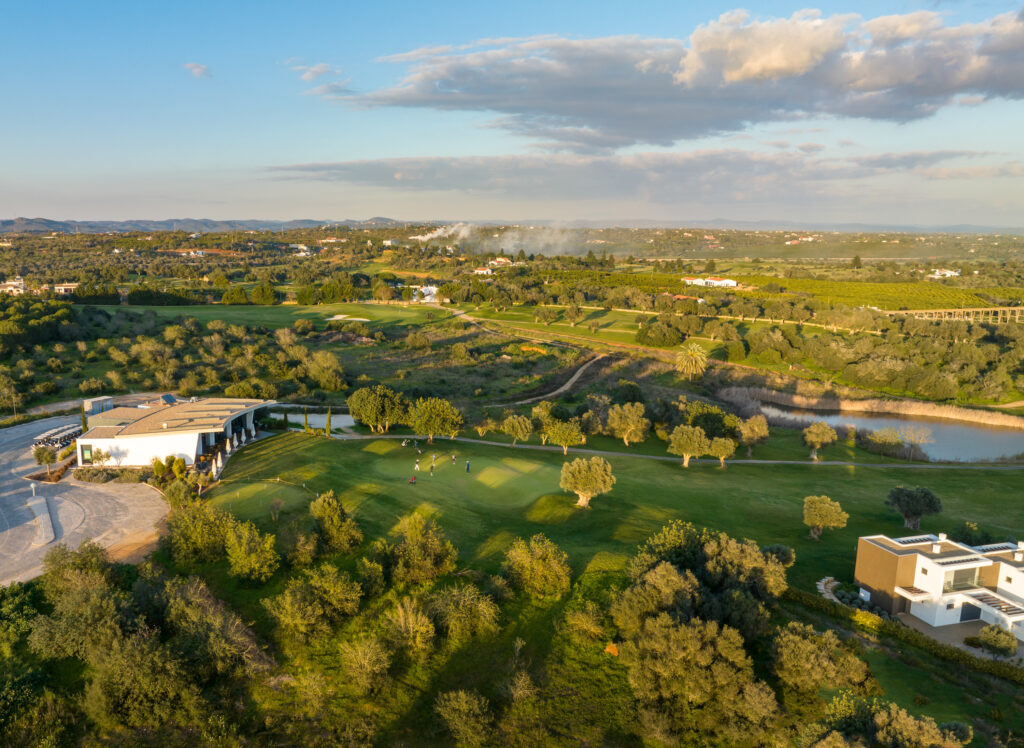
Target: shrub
[(896, 630), (371, 577), (538, 569), (250, 553), (365, 662), (409, 628), (998, 640), (196, 533), (339, 533), (585, 621), (422, 553), (466, 715), (463, 611)]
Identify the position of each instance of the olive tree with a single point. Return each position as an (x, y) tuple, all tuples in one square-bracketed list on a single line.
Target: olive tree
[(688, 442), (822, 513), (518, 427), (587, 478), (753, 431), (44, 455), (627, 422), (913, 503), (722, 449), (819, 434), (564, 433)]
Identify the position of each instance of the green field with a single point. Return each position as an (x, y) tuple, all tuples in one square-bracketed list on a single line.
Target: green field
[(285, 315), (514, 492), (909, 295)]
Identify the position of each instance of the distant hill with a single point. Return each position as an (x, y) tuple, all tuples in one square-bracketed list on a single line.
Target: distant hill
[(192, 225), (209, 225)]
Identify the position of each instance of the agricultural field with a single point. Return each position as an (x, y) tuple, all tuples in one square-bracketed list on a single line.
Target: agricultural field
[(888, 296)]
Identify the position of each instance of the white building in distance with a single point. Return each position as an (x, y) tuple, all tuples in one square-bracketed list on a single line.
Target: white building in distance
[(712, 282), (132, 437)]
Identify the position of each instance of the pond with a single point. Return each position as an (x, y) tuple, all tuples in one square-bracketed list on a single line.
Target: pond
[(950, 440), (316, 420)]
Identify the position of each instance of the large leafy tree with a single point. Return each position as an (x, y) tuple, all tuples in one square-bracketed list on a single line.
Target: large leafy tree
[(822, 513), (819, 434), (913, 504), (688, 442), (587, 478), (378, 407), (434, 415), (627, 422)]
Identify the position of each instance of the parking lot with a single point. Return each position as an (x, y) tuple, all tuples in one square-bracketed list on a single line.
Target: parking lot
[(119, 516)]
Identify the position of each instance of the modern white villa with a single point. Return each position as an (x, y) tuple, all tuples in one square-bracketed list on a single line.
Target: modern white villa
[(192, 430), (942, 582)]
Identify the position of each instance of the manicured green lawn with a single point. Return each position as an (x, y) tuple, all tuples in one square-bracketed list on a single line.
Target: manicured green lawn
[(285, 315), (511, 492)]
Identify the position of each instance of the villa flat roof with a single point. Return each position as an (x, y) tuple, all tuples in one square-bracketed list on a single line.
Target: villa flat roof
[(210, 414), (950, 552)]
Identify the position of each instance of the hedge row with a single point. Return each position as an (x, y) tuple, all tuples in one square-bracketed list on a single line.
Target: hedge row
[(874, 624)]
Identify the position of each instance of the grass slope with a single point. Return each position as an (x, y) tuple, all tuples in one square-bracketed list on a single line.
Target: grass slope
[(511, 493)]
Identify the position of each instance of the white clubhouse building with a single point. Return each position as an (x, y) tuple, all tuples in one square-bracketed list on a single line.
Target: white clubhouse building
[(133, 436)]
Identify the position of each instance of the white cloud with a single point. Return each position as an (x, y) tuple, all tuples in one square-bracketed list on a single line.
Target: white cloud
[(655, 177), (312, 72), (197, 70), (599, 95)]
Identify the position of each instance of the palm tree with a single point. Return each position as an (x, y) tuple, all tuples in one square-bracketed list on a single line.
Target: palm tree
[(692, 360)]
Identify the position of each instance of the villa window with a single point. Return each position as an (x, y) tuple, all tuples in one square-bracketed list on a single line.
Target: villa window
[(950, 606), (924, 572), (86, 454), (1009, 580), (961, 579)]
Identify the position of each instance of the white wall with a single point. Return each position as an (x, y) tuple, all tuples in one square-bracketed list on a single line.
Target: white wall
[(139, 451)]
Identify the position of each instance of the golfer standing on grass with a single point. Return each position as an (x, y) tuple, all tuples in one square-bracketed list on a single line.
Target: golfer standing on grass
[(467, 466)]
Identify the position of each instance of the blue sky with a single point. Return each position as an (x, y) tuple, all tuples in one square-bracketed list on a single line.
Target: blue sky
[(900, 112)]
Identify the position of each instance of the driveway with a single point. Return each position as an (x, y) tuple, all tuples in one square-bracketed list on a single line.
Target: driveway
[(119, 516)]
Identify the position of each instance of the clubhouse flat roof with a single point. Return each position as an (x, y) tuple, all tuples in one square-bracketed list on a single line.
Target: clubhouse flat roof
[(210, 414)]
